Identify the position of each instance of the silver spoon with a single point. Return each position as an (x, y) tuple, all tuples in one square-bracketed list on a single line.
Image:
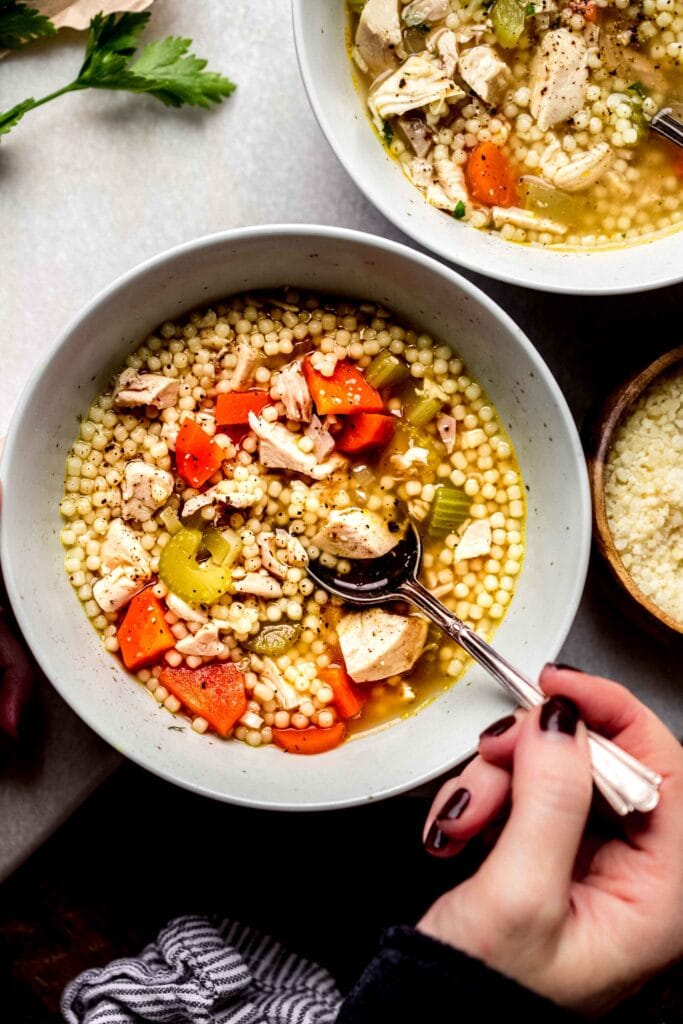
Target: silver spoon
[(625, 783), (666, 125)]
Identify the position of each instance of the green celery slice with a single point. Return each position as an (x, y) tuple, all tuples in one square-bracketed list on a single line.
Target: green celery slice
[(224, 546), (169, 518), (423, 410), (450, 509), (184, 576), (507, 18), (386, 370), (274, 640)]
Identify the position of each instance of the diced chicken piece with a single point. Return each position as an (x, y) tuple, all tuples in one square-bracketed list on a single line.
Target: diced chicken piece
[(424, 12), (451, 177), (122, 546), (558, 78), (323, 442), (445, 45), (485, 72), (584, 169), (376, 644), (251, 720), (447, 425), (526, 219), (417, 83), (420, 172), (116, 589), (437, 197), (202, 644), (291, 388), (236, 493), (280, 551), (169, 434), (247, 361), (145, 489), (259, 584), (285, 694), (475, 541), (356, 533), (378, 36), (134, 388), (466, 33), (183, 610), (619, 183), (279, 449), (417, 133), (409, 463), (407, 693)]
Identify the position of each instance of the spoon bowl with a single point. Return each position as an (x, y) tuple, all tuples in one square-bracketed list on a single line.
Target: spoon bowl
[(372, 580)]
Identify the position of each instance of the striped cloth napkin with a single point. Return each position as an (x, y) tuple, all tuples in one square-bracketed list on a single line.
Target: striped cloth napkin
[(204, 971)]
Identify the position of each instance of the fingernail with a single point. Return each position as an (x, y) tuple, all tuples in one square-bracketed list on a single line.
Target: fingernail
[(436, 839), (559, 715), (565, 668), (455, 805), (499, 727)]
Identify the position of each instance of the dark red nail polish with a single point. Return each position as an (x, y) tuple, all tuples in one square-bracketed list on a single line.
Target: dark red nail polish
[(436, 839), (559, 715), (499, 727), (563, 666), (455, 805)]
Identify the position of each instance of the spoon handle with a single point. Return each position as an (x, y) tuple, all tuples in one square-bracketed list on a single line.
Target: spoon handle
[(665, 124), (626, 784)]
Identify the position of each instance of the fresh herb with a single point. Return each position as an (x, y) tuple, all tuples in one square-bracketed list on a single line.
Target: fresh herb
[(423, 27), (388, 132), (530, 10), (21, 24), (164, 69), (460, 210), (639, 90)]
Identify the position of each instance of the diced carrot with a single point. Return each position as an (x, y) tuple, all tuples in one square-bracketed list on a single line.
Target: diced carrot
[(197, 455), (310, 741), (346, 391), (234, 408), (348, 698), (590, 12), (216, 692), (144, 635), (365, 430), (489, 177)]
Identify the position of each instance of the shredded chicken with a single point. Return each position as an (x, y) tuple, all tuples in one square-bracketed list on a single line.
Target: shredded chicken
[(410, 462), (378, 36), (134, 388), (121, 546), (280, 551), (236, 493), (323, 442), (247, 361), (291, 388), (376, 644), (445, 45), (451, 178), (446, 426), (279, 449), (485, 72), (145, 488), (475, 541), (117, 588), (417, 83), (417, 133), (356, 533), (572, 174), (285, 694), (526, 219), (558, 78), (185, 611), (259, 584), (205, 643), (421, 12)]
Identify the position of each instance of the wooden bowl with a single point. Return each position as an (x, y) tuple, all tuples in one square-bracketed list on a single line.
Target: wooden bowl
[(599, 446)]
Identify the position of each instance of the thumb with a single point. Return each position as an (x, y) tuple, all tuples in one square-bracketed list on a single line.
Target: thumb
[(552, 786)]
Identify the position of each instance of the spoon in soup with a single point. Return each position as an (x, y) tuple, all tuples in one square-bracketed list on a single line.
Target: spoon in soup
[(669, 127), (625, 783)]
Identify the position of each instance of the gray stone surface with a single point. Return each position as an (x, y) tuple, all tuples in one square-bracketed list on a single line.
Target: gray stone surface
[(94, 183)]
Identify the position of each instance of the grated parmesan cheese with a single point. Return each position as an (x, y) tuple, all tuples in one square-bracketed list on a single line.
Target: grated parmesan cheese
[(644, 493)]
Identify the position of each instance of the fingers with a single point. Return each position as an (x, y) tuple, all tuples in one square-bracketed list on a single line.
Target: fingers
[(17, 679), (464, 807), (533, 861)]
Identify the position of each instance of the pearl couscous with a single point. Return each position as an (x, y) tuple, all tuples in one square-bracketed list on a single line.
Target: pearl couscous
[(529, 119), (644, 493), (243, 440)]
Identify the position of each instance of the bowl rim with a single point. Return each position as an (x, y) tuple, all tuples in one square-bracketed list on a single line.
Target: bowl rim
[(610, 416), (11, 451), (366, 185)]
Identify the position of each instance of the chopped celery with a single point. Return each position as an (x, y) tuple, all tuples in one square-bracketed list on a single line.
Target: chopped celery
[(540, 197), (184, 576), (169, 518), (385, 370), (450, 509), (224, 546), (423, 411), (507, 18), (406, 437), (274, 640)]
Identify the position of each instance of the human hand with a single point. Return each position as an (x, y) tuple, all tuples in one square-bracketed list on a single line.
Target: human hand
[(577, 918)]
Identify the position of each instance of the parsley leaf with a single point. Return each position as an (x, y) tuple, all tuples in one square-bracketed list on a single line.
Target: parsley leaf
[(639, 89), (21, 24), (460, 210), (530, 10), (388, 132), (163, 69)]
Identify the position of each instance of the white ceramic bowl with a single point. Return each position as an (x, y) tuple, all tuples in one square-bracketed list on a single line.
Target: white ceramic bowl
[(333, 260), (319, 30)]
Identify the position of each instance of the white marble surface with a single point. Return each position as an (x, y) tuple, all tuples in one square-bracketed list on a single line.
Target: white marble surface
[(96, 182)]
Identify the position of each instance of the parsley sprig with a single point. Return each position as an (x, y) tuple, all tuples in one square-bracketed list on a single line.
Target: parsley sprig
[(21, 24), (163, 69)]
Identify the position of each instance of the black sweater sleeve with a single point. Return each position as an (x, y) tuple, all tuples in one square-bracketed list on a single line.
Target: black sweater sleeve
[(415, 978)]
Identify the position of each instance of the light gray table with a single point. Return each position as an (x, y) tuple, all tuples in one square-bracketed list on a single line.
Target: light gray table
[(96, 182)]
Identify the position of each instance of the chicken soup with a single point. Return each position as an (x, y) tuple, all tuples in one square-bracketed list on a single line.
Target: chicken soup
[(238, 443), (529, 119)]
